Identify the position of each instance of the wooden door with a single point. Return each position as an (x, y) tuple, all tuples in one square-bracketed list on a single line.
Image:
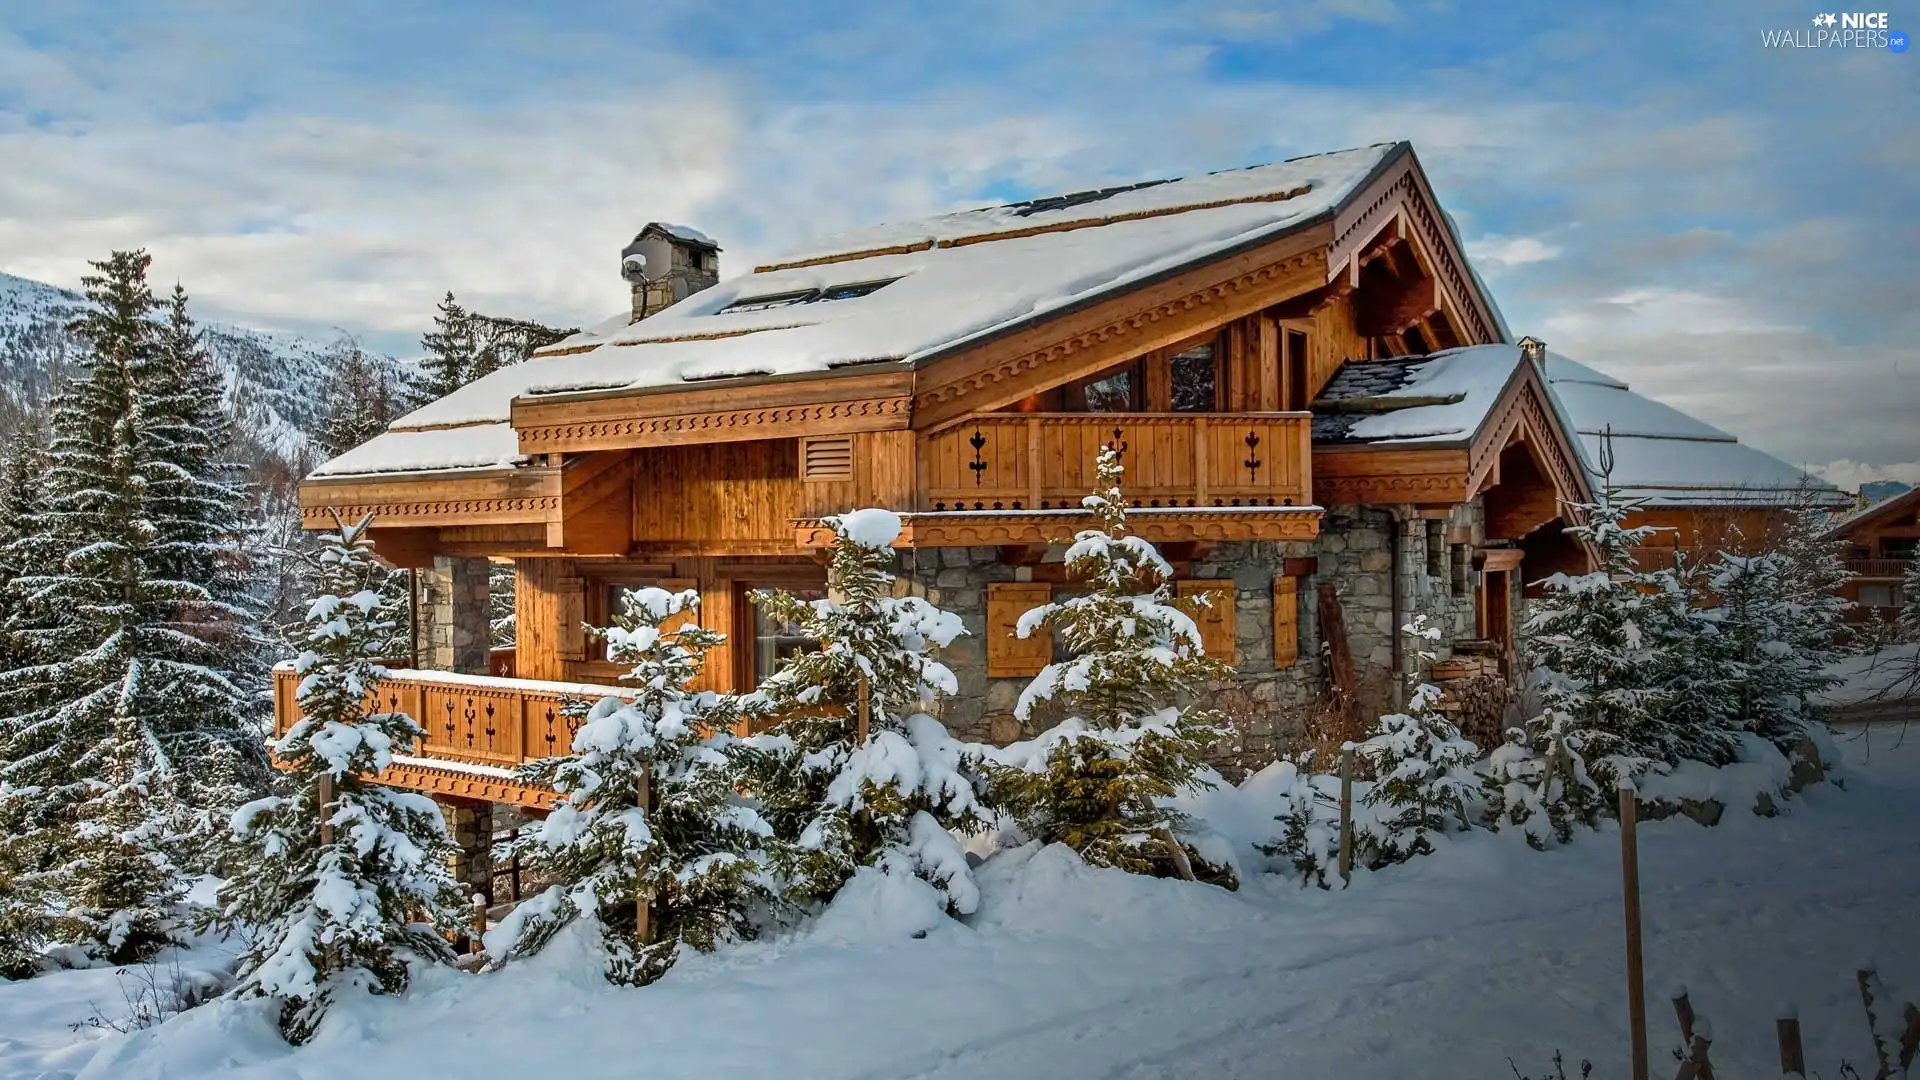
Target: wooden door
[(1496, 614)]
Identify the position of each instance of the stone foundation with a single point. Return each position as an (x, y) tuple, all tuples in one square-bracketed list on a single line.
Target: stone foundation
[(454, 615)]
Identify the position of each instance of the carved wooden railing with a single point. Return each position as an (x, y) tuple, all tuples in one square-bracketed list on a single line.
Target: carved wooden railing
[(482, 727), (1880, 568), (1045, 461)]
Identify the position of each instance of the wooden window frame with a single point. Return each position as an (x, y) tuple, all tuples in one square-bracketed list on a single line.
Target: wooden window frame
[(744, 639)]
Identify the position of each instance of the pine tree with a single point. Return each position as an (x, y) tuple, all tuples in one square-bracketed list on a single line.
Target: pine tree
[(1595, 636), (1423, 771), (1546, 794), (1095, 780), (500, 342), (1776, 656), (648, 810), (1908, 624), (503, 615), (359, 399), (1308, 835), (326, 914), (109, 702), (890, 801), (22, 547), (448, 363)]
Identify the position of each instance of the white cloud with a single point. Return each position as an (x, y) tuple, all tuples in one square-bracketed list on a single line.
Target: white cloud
[(1848, 475), (1499, 252)]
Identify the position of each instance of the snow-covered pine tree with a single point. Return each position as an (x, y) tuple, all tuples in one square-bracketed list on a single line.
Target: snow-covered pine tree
[(1908, 624), (1813, 567), (449, 347), (1308, 825), (325, 915), (892, 801), (1691, 666), (360, 401), (1546, 793), (1764, 623), (108, 704), (1423, 770), (501, 342), (648, 810), (22, 545), (1593, 636), (502, 608), (1095, 780)]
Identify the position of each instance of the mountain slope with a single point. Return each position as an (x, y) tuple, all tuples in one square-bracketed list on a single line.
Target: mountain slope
[(275, 382)]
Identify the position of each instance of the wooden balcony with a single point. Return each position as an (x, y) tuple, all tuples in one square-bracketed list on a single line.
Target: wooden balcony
[(1045, 461), (479, 729), (1880, 568)]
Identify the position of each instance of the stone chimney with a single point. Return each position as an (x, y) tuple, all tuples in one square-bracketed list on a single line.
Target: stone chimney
[(1534, 350), (664, 264)]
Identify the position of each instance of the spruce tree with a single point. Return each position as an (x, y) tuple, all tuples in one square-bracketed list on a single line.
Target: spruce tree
[(1908, 623), (889, 801), (22, 544), (1309, 828), (648, 811), (359, 398), (1538, 782), (93, 728), (1764, 620), (1096, 780), (448, 363), (326, 914), (1423, 771)]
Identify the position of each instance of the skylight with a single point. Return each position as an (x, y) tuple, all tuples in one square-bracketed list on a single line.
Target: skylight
[(848, 291)]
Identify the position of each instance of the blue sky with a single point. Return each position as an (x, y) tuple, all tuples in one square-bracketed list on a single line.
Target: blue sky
[(1732, 229)]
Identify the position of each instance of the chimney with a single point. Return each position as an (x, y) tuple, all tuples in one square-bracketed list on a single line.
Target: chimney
[(1534, 350), (664, 264)]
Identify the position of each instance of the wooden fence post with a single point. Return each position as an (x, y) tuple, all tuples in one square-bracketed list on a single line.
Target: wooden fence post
[(1696, 1035), (642, 900), (1630, 889), (1346, 813), (477, 932), (1793, 1060)]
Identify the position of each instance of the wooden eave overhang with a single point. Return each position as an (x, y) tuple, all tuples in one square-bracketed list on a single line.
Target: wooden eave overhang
[(428, 499), (1859, 519)]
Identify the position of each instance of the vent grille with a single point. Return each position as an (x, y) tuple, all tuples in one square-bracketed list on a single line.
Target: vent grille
[(829, 458)]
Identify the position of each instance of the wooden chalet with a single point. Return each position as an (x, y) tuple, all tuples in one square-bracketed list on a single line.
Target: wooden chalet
[(1883, 539), (1324, 424)]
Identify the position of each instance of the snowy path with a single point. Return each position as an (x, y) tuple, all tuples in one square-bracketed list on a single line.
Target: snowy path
[(1440, 968)]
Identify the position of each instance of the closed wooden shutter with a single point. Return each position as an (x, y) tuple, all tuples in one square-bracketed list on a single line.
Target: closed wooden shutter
[(570, 606), (1286, 621), (1215, 619), (1008, 655)]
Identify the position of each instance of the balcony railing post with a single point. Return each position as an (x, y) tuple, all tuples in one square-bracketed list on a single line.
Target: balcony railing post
[(1199, 461), (1035, 481)]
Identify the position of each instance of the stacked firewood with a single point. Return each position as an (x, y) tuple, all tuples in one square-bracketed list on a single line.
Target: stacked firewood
[(1474, 697)]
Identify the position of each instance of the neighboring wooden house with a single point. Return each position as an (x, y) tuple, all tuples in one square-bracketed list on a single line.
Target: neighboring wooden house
[(1254, 343), (1883, 539)]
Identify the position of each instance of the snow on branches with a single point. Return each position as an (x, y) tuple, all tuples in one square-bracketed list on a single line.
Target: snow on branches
[(650, 837), (330, 878), (1097, 779), (856, 771)]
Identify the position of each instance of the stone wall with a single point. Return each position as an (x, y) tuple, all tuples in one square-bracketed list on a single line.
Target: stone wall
[(1270, 709)]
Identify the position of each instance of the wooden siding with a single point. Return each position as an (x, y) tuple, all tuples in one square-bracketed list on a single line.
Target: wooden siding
[(1014, 461), (881, 474), (726, 493), (1286, 621)]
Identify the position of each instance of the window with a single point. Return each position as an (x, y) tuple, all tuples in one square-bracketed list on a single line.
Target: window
[(1462, 570), (848, 291), (1878, 596), (1296, 369), (1898, 547), (1192, 376), (1111, 393), (775, 641), (1437, 550)]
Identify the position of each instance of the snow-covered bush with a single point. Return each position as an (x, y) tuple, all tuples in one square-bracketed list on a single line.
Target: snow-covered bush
[(1908, 624), (894, 800), (325, 917), (1097, 780), (1309, 824), (1423, 781), (1546, 795), (648, 812)]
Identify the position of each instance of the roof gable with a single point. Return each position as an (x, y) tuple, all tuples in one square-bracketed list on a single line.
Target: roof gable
[(1846, 524)]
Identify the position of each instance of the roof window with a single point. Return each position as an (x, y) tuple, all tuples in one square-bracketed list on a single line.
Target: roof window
[(848, 291)]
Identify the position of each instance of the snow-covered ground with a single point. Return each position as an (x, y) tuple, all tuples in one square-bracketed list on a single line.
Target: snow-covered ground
[(1440, 968)]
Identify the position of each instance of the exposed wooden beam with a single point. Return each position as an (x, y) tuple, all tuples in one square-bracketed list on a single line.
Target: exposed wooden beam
[(1401, 304)]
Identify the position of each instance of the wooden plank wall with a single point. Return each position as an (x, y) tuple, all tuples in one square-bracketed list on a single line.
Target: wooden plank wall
[(719, 492), (883, 471), (537, 603)]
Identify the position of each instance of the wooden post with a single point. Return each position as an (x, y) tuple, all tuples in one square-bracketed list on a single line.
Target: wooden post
[(477, 932), (1630, 889), (326, 809), (866, 715), (1793, 1060), (642, 901), (1695, 1038), (1346, 813)]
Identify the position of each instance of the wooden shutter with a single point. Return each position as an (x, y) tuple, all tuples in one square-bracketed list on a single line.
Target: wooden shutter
[(1008, 655), (1215, 619), (570, 606), (1286, 621)]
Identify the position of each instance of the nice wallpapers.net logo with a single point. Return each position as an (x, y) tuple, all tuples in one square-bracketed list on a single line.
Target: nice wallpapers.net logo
[(1840, 30)]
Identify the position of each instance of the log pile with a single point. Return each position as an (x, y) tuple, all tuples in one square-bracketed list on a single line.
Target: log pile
[(1474, 698)]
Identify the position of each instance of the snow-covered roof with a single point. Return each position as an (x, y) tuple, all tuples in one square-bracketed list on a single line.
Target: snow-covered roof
[(975, 283), (686, 233), (1853, 519), (1664, 456), (471, 447), (1443, 397)]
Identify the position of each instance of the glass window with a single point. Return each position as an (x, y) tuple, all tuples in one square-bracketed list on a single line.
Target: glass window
[(1111, 394), (1876, 595), (1892, 547), (774, 641), (1191, 374)]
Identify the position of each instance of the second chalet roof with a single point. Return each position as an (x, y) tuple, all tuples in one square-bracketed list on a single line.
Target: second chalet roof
[(1661, 454), (1843, 524), (895, 294)]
